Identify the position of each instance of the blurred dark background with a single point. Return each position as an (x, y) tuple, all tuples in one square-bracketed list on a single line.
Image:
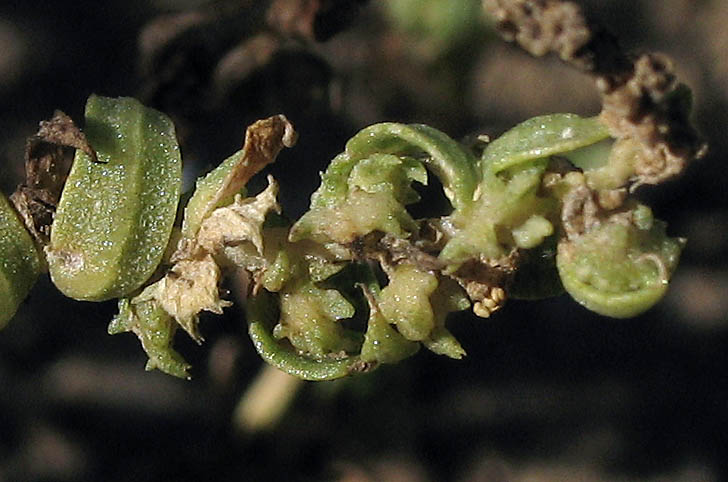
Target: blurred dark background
[(548, 391)]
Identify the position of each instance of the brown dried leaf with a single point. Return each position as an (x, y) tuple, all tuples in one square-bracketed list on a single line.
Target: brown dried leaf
[(61, 131), (48, 159), (263, 141)]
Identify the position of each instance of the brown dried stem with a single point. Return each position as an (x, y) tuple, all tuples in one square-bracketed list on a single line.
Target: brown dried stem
[(641, 98)]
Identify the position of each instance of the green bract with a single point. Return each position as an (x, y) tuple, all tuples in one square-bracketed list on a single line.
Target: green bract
[(510, 211), (366, 187), (617, 269), (262, 313), (553, 184), (19, 261), (155, 329), (220, 227), (115, 216), (364, 191), (540, 137), (206, 189)]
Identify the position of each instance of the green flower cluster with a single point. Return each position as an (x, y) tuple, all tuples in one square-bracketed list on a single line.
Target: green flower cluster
[(357, 281)]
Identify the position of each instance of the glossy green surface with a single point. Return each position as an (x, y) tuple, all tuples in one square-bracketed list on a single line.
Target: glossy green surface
[(115, 216), (541, 137)]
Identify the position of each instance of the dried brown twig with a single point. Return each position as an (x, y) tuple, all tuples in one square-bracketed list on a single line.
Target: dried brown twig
[(641, 98)]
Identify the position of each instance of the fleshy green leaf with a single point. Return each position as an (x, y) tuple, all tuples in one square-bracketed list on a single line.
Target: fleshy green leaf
[(384, 344), (541, 137), (115, 216), (310, 320), (509, 213), (261, 313), (19, 261), (365, 188), (448, 297), (405, 301), (618, 269)]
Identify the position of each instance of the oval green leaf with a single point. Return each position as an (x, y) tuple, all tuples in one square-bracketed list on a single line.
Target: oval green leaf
[(542, 136), (115, 216)]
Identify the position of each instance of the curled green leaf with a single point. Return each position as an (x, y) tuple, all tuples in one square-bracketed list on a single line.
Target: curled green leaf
[(262, 313), (619, 269), (115, 216), (453, 165), (540, 137), (366, 187)]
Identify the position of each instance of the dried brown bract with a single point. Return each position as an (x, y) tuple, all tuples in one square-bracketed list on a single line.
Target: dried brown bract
[(48, 159), (653, 108), (263, 141)]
